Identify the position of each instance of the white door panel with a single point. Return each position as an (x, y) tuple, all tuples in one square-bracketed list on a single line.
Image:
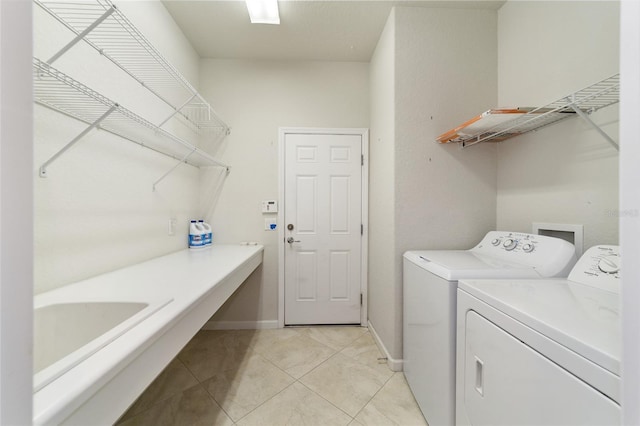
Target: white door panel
[(323, 203), (508, 383)]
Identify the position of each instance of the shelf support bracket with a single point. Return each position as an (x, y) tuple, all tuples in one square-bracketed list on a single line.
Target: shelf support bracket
[(178, 110), (586, 118), (43, 168), (184, 159), (81, 35)]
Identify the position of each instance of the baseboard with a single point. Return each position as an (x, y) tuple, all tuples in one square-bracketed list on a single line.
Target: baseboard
[(392, 363), (240, 325)]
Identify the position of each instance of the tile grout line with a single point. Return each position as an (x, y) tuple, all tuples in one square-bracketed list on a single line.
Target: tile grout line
[(324, 399), (355, 360), (374, 395), (296, 380), (161, 400), (251, 350), (314, 392), (264, 402), (344, 346)]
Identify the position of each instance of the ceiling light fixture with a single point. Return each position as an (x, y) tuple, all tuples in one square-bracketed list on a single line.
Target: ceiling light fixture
[(263, 11)]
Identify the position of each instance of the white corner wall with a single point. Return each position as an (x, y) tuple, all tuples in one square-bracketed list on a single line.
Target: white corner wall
[(444, 72), (96, 211), (563, 173), (630, 205), (382, 224), (256, 98), (16, 214)]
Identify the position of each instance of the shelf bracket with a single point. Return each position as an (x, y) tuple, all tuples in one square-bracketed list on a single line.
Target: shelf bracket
[(43, 168), (178, 109), (184, 159), (586, 118), (82, 35)]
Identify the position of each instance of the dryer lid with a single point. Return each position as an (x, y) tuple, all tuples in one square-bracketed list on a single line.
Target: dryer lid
[(454, 265), (580, 317)]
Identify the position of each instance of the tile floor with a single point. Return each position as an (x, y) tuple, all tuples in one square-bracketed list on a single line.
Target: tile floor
[(292, 376)]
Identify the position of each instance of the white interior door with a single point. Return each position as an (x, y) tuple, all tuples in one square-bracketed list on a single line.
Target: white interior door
[(322, 228)]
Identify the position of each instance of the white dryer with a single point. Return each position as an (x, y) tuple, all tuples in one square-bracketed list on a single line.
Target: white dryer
[(430, 280), (543, 352)]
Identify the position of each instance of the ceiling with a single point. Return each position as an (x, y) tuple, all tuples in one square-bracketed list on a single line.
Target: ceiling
[(333, 30)]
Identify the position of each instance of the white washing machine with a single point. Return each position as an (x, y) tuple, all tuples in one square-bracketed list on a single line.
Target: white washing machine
[(543, 352), (430, 280)]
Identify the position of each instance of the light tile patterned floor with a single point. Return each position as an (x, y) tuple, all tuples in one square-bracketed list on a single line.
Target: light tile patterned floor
[(292, 376)]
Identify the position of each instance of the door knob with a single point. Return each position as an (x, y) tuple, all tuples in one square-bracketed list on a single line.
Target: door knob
[(290, 240)]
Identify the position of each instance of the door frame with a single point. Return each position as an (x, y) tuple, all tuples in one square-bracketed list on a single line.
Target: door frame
[(364, 241)]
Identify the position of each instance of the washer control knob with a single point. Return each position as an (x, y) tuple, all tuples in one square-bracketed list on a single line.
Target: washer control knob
[(509, 244), (609, 264), (496, 242), (528, 248)]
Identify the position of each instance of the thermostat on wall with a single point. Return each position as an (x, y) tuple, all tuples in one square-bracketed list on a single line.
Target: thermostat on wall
[(270, 206)]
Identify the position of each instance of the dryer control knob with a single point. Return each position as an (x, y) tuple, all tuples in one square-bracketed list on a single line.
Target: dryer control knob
[(496, 242), (609, 264), (509, 244), (528, 248)]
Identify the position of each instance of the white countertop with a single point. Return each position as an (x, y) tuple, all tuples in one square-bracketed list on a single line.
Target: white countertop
[(187, 277)]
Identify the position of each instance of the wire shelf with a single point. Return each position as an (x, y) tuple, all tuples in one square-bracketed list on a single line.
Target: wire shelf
[(58, 91), (582, 102), (101, 24)]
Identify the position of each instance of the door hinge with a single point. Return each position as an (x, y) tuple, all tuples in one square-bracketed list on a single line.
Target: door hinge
[(362, 160), (360, 299), (361, 229)]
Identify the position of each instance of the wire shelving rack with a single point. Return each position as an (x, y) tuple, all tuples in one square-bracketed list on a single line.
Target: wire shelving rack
[(583, 103), (104, 27), (58, 91)]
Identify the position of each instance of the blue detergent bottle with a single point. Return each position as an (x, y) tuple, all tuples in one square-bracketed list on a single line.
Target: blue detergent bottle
[(196, 235)]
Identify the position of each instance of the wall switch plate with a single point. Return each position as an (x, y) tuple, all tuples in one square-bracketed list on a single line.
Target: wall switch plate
[(270, 206), (270, 224)]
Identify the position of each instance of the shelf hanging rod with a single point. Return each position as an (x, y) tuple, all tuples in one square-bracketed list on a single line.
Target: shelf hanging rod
[(184, 159), (82, 35), (43, 168), (177, 110)]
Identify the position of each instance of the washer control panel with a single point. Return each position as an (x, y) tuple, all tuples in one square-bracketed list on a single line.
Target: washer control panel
[(551, 257), (516, 241), (510, 241), (600, 267)]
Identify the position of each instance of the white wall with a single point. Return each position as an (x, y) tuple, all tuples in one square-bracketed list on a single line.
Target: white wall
[(256, 98), (564, 173), (96, 211), (444, 198), (630, 205), (382, 224), (16, 214)]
